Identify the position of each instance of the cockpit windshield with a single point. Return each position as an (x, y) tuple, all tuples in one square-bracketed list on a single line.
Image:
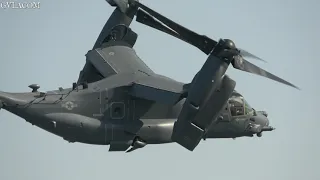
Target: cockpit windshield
[(247, 108), (239, 106)]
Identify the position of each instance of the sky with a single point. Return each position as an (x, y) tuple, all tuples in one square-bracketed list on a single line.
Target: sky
[(47, 46)]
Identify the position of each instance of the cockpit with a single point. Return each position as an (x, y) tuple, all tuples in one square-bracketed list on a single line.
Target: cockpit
[(239, 106)]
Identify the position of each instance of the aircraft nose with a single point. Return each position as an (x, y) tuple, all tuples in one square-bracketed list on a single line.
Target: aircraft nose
[(267, 124), (264, 113), (261, 123), (261, 119), (266, 121)]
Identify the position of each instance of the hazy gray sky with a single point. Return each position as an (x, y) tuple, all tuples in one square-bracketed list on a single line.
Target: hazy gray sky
[(47, 46)]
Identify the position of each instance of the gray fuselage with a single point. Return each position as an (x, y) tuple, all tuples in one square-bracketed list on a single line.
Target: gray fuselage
[(99, 115)]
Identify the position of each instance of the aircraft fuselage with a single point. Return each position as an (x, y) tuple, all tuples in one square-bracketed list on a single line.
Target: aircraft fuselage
[(96, 116)]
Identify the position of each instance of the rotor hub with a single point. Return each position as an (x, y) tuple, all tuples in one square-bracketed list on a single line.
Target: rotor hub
[(229, 44), (226, 49)]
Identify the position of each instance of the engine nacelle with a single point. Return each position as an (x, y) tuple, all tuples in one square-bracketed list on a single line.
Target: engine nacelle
[(122, 33), (214, 103), (209, 91), (189, 133), (203, 105), (123, 5)]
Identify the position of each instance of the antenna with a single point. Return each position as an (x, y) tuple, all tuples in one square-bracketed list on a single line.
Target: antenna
[(34, 87)]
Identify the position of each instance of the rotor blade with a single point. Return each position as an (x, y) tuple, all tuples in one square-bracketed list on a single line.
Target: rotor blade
[(146, 19), (245, 53), (204, 43), (244, 65)]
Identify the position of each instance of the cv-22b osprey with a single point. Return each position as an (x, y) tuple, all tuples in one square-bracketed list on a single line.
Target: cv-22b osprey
[(119, 101)]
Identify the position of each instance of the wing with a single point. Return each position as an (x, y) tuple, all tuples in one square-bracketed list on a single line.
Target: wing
[(159, 88), (89, 72), (153, 87), (112, 58)]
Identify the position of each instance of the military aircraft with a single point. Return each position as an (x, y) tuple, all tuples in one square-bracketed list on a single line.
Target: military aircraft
[(119, 101)]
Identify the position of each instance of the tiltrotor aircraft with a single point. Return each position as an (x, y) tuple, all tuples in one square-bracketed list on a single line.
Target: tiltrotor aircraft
[(119, 101)]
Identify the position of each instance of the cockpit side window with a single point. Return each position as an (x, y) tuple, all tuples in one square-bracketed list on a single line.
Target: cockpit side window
[(239, 106), (236, 106)]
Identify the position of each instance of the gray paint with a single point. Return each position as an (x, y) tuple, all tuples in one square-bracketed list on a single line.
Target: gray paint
[(133, 106)]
